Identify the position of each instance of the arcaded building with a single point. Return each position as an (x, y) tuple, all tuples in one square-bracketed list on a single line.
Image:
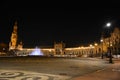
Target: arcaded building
[(92, 50), (112, 42)]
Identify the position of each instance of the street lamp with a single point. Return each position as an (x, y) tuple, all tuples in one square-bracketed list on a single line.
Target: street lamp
[(96, 48), (91, 51), (102, 47), (108, 25)]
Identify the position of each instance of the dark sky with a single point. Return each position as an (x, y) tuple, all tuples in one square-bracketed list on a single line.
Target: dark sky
[(43, 26)]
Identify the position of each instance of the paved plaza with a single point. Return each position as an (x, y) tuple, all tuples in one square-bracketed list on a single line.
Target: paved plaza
[(111, 72), (46, 68)]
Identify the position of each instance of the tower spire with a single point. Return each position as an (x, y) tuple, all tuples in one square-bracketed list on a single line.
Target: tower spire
[(13, 42), (16, 22)]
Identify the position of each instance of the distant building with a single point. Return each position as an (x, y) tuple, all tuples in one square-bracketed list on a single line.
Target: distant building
[(59, 48), (92, 50)]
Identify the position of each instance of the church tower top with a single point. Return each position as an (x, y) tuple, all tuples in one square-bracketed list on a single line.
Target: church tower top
[(15, 27), (16, 22)]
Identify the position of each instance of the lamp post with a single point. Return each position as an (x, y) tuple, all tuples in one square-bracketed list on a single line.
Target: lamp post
[(91, 51), (108, 25), (96, 48), (102, 47)]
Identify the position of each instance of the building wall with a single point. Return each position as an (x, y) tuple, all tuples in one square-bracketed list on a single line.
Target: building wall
[(113, 42), (88, 51)]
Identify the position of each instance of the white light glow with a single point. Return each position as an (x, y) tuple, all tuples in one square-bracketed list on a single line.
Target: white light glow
[(36, 52), (108, 24)]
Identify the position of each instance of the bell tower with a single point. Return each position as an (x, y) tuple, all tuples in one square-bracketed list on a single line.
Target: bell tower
[(13, 42)]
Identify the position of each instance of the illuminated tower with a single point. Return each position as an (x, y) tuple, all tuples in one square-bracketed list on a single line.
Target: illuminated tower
[(13, 42), (59, 48)]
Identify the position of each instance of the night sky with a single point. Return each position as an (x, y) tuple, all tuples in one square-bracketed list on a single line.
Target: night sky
[(43, 26)]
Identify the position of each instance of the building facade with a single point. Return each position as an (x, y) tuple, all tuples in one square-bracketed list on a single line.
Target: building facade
[(112, 42), (92, 50)]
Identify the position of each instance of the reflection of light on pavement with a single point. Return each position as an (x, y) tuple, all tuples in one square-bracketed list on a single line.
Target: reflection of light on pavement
[(100, 70), (27, 75), (116, 70)]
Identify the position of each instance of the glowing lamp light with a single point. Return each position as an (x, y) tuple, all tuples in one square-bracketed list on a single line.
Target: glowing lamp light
[(108, 24), (101, 40)]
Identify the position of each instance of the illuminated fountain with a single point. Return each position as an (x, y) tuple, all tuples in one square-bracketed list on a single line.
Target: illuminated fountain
[(36, 52)]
